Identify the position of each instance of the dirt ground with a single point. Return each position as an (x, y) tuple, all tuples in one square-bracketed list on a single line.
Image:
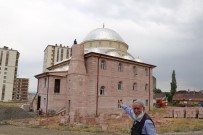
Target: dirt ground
[(16, 130), (17, 117)]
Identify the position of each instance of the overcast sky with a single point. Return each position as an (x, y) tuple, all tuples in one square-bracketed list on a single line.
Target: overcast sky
[(165, 33)]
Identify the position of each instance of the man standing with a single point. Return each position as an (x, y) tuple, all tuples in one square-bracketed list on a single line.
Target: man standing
[(142, 123)]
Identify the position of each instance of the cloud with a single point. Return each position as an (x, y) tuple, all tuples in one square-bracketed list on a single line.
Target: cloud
[(167, 33)]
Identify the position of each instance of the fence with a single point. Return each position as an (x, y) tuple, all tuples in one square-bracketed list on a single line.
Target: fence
[(184, 112)]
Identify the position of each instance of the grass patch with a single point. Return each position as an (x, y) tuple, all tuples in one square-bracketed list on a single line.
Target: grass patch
[(11, 104), (182, 125), (157, 111)]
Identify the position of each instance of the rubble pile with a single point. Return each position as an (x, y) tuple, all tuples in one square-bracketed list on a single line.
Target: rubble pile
[(9, 113)]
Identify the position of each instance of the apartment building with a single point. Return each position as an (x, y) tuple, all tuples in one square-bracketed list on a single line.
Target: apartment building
[(21, 89), (8, 72), (54, 54)]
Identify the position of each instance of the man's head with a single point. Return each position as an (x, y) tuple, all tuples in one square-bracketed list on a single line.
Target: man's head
[(138, 107)]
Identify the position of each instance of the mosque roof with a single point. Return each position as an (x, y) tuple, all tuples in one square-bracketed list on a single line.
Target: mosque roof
[(103, 34)]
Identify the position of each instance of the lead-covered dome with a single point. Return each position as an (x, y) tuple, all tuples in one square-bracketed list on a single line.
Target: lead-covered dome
[(103, 34)]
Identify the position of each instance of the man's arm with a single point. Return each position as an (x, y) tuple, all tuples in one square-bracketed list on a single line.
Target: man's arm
[(129, 110)]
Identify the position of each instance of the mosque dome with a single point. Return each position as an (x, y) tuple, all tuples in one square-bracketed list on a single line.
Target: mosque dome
[(97, 50), (128, 57), (103, 34), (115, 54), (138, 60)]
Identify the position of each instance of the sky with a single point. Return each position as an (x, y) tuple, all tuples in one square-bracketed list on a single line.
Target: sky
[(165, 33)]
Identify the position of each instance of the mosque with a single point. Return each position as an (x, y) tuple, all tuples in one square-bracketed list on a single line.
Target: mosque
[(99, 73)]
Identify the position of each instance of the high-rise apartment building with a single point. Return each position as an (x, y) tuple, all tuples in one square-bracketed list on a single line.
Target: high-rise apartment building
[(8, 72), (54, 54), (21, 89)]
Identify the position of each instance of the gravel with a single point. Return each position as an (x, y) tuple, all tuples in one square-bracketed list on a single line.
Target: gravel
[(9, 113)]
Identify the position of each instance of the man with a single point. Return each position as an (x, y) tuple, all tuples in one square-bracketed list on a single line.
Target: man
[(142, 123)]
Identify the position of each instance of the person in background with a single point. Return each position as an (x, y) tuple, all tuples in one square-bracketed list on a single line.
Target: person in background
[(142, 123)]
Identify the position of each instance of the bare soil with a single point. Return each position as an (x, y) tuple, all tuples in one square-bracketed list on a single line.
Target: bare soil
[(23, 120), (17, 130)]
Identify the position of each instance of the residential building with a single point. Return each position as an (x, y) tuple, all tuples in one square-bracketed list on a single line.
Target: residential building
[(188, 98), (31, 96), (8, 71), (21, 89), (99, 74), (54, 54)]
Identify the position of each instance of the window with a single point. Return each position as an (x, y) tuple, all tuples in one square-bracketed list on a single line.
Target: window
[(3, 92), (7, 58), (57, 86), (120, 67), (17, 97), (57, 58), (134, 86), (102, 90), (1, 56), (110, 44), (61, 54), (146, 102), (67, 53), (44, 101), (100, 44), (134, 70), (119, 100), (103, 64), (90, 45), (45, 82), (119, 46), (146, 72), (146, 87), (120, 85)]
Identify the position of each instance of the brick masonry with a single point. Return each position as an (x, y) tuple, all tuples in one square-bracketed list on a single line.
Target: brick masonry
[(80, 86), (184, 112)]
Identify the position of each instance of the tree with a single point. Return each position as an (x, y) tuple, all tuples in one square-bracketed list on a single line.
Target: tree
[(157, 90), (168, 95), (173, 84)]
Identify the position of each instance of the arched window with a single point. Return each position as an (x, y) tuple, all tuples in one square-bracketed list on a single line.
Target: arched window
[(120, 85), (103, 64), (120, 67), (146, 102), (134, 86), (134, 70), (102, 90), (146, 87)]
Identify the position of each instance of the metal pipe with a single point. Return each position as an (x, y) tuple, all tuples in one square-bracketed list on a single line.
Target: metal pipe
[(149, 88), (47, 97), (97, 97)]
